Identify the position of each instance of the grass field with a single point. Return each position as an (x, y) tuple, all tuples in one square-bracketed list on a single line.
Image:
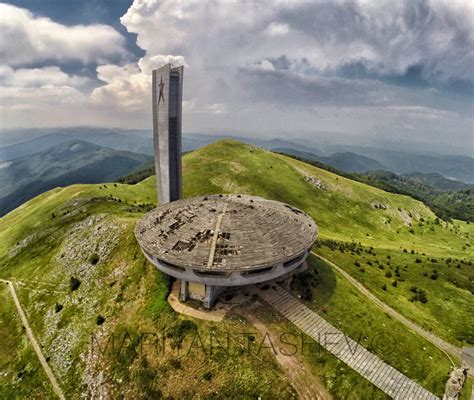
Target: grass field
[(86, 232), (393, 276)]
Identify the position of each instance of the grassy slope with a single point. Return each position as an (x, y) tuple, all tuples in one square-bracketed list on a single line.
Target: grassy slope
[(447, 312), (342, 211)]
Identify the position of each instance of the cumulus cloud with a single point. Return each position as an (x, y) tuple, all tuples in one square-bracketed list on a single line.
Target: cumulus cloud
[(295, 63), (38, 77), (28, 39), (389, 36), (377, 68), (128, 87)]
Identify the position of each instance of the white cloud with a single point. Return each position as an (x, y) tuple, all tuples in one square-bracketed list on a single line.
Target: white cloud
[(277, 29), (28, 39), (389, 36), (267, 65), (148, 63), (126, 89), (282, 60), (129, 87), (38, 77)]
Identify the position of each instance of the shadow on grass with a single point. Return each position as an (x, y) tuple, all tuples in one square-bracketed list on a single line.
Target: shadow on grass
[(317, 284)]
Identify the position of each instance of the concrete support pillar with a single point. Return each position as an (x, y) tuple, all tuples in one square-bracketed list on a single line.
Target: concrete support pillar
[(212, 292), (184, 292)]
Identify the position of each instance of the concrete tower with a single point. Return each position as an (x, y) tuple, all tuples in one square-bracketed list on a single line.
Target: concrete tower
[(167, 99)]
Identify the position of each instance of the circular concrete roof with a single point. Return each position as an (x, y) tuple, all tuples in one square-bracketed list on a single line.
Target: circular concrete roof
[(225, 232)]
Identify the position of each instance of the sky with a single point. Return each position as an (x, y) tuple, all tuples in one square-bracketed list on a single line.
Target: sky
[(362, 71)]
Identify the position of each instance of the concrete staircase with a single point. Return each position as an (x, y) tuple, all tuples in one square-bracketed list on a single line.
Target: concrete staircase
[(371, 367)]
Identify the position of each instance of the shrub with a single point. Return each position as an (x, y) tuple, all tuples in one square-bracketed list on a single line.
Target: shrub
[(388, 274), (207, 376), (418, 261), (422, 296), (357, 264), (419, 295), (304, 283), (99, 320), (175, 363), (74, 283), (58, 307), (395, 283), (94, 258), (384, 286)]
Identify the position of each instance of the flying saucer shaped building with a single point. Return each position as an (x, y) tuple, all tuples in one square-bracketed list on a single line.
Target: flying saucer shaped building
[(215, 241)]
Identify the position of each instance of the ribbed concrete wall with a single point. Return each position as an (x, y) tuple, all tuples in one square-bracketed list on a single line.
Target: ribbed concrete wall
[(232, 278)]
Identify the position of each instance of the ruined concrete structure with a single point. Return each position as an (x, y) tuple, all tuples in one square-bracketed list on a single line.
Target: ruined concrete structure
[(216, 241)]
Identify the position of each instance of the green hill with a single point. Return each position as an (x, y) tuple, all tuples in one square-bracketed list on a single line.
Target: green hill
[(85, 232)]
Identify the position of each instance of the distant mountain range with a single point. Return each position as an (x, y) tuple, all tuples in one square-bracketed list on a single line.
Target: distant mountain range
[(438, 181), (346, 161), (18, 143), (112, 140), (72, 161), (63, 156)]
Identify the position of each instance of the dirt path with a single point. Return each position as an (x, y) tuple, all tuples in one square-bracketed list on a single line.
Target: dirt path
[(305, 383), (33, 340), (441, 344)]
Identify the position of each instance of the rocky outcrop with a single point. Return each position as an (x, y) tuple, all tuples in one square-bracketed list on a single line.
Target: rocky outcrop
[(455, 384), (311, 179), (378, 205)]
